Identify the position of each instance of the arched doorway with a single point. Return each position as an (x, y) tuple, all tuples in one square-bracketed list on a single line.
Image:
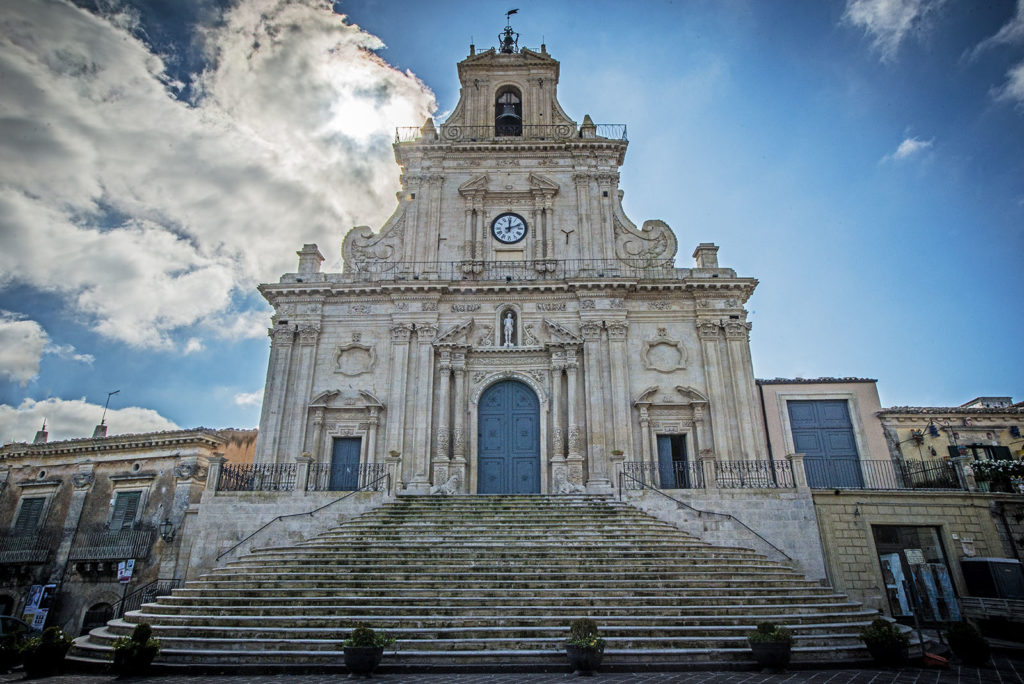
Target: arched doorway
[(508, 431)]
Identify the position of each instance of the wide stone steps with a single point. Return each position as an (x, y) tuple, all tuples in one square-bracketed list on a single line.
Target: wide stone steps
[(492, 580)]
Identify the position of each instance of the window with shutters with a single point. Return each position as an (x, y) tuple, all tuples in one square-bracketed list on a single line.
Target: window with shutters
[(982, 452), (126, 505), (29, 515)]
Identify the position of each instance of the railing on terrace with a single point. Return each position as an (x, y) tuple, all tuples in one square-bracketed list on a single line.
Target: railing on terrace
[(28, 549), (862, 474), (257, 477), (512, 134), (681, 475), (774, 474), (100, 543), (364, 476), (517, 271)]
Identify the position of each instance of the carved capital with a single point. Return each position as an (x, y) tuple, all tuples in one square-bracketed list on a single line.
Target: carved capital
[(401, 332), (737, 329), (590, 331), (708, 329), (426, 331), (617, 331), (281, 335), (309, 333)]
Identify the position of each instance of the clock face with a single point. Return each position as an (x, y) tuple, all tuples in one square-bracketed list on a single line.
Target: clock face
[(509, 228)]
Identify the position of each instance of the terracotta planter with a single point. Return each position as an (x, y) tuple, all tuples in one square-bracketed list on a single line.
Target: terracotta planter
[(584, 661), (771, 654), (362, 660), (888, 655)]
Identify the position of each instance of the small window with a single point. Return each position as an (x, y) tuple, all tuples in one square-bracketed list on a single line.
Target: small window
[(28, 516), (126, 505)]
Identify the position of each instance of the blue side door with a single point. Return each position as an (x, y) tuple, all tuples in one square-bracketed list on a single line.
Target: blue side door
[(345, 464), (823, 432), (666, 471)]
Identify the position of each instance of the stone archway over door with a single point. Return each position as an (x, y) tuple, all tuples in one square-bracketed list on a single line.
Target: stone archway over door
[(508, 427)]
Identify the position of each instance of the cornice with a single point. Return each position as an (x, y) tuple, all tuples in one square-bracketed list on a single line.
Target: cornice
[(170, 438)]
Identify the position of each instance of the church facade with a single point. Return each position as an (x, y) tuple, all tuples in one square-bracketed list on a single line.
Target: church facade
[(509, 329)]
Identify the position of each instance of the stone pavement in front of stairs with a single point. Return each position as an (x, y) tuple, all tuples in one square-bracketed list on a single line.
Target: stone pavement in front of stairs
[(1002, 670)]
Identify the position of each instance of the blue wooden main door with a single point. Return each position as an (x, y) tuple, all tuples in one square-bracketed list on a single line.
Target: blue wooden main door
[(823, 432), (508, 432), (345, 464)]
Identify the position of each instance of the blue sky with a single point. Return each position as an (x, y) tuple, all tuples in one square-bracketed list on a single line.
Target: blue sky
[(861, 158)]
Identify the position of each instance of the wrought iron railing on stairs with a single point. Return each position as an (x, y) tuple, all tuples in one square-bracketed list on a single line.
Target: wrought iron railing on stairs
[(144, 594)]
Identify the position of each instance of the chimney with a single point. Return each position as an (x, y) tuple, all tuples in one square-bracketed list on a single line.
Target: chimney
[(42, 435), (100, 431)]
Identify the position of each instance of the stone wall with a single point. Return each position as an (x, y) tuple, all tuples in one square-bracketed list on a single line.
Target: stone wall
[(223, 519), (845, 518), (782, 517)]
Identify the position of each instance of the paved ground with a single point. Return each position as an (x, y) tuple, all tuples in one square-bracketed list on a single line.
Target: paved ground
[(1002, 670)]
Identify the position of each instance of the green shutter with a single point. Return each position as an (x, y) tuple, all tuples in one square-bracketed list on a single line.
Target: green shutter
[(954, 452), (28, 516), (1001, 453), (125, 506)]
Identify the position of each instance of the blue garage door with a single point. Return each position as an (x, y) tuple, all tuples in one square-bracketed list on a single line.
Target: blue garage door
[(823, 432), (509, 440)]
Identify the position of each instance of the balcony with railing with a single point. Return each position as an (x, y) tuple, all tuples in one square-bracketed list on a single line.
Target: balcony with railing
[(511, 133), (103, 544), (28, 549), (882, 474), (747, 474)]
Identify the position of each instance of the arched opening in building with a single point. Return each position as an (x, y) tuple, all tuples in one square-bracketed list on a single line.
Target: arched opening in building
[(97, 616), (508, 112)]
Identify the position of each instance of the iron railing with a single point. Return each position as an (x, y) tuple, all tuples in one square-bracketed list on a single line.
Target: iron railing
[(854, 473), (681, 475), (100, 543), (32, 548), (512, 133), (653, 268), (144, 594), (752, 474), (257, 477), (357, 477)]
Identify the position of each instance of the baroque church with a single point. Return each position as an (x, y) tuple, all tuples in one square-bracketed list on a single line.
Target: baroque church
[(509, 329)]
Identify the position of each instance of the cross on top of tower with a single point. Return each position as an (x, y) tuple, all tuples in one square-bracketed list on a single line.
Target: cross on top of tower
[(508, 40)]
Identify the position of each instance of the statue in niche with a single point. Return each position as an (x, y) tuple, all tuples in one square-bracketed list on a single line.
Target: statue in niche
[(509, 329)]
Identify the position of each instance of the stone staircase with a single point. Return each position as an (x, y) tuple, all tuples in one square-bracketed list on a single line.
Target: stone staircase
[(492, 580)]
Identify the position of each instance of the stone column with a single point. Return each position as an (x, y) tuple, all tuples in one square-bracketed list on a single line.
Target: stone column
[(709, 333), (371, 435), (620, 399), (587, 251), (707, 468), (318, 433), (395, 425), (428, 251), (294, 429), (738, 347), (423, 390), (606, 186), (443, 442), (302, 467), (645, 440), (467, 244), (557, 435), (412, 226), (268, 442), (217, 462), (458, 462), (597, 427), (575, 459), (796, 465)]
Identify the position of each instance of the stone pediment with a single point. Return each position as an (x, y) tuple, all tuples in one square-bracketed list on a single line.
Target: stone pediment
[(346, 399), (457, 334), (474, 186), (561, 334), (538, 182), (656, 395), (490, 56)]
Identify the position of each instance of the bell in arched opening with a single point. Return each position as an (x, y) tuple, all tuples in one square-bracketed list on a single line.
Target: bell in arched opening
[(508, 113)]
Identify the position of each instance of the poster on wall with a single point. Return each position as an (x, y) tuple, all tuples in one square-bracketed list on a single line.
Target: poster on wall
[(40, 599), (125, 570)]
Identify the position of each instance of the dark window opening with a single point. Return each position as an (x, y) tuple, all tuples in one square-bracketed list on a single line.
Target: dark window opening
[(126, 505), (508, 113), (674, 469), (29, 515), (97, 616), (915, 573)]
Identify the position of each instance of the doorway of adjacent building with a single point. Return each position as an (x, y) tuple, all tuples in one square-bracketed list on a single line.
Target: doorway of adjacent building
[(673, 463), (345, 464), (916, 573), (508, 440), (823, 432)]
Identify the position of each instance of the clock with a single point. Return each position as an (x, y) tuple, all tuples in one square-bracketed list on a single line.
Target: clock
[(508, 228)]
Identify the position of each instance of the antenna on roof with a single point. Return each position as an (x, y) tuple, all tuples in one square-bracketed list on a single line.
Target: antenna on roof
[(101, 429)]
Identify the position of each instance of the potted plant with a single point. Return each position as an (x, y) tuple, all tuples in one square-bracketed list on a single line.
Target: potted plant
[(584, 647), (771, 645), (43, 655), (133, 654), (968, 644), (886, 643), (364, 649)]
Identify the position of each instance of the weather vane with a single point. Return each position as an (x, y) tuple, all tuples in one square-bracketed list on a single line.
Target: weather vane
[(103, 420), (509, 39)]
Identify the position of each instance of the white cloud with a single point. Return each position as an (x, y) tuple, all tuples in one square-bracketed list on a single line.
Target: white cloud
[(908, 148), (71, 419), (150, 215), (194, 345), (889, 22), (22, 345), (1013, 89), (1011, 32), (249, 398)]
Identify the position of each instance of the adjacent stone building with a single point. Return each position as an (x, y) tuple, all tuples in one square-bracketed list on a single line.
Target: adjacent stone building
[(71, 511)]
